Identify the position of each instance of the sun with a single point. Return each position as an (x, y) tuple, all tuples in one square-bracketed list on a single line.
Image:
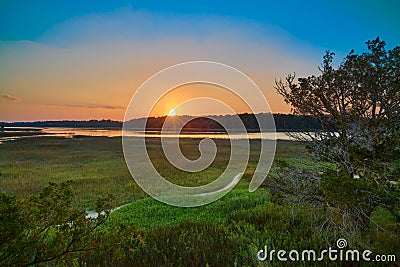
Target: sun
[(172, 112)]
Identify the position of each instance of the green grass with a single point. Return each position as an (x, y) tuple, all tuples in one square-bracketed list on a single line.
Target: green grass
[(227, 232), (149, 212), (97, 166)]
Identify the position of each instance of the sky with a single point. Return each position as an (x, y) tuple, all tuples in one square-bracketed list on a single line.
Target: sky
[(80, 60)]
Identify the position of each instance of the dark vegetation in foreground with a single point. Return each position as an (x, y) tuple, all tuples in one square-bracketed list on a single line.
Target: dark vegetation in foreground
[(46, 225)]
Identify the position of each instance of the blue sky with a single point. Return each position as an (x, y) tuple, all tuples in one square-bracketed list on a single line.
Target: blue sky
[(85, 59), (339, 25)]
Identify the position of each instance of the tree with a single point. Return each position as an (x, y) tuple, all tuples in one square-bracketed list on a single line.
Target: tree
[(46, 228), (358, 105)]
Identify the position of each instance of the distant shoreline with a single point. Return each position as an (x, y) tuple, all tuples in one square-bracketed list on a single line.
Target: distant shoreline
[(283, 123), (24, 129)]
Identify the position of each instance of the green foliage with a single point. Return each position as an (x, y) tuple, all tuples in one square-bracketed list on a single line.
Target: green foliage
[(149, 212), (187, 244), (46, 228), (341, 190), (358, 104), (96, 165), (228, 232), (10, 225)]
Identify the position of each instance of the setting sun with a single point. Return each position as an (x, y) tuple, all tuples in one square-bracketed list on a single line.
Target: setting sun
[(172, 112)]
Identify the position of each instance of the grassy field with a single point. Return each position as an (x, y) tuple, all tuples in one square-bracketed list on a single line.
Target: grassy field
[(228, 232), (97, 166)]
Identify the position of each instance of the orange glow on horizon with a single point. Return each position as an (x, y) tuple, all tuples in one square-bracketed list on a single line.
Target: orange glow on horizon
[(173, 100), (172, 112)]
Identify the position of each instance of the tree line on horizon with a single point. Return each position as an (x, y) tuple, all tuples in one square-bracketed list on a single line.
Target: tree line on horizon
[(283, 122)]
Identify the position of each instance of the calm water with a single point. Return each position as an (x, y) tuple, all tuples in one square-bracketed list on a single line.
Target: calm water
[(71, 132)]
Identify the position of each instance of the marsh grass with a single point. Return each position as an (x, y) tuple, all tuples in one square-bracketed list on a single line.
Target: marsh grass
[(228, 232), (97, 166)]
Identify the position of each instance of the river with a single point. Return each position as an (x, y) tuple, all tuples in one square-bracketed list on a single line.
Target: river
[(14, 133)]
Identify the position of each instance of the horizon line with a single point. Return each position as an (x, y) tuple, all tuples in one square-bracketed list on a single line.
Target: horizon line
[(138, 118)]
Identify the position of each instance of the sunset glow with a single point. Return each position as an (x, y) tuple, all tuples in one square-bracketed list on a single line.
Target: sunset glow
[(86, 62), (172, 112)]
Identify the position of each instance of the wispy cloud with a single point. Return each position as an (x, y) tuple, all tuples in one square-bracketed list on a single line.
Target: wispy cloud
[(101, 106), (10, 98)]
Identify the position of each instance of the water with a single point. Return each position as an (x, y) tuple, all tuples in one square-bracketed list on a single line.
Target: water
[(72, 132)]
